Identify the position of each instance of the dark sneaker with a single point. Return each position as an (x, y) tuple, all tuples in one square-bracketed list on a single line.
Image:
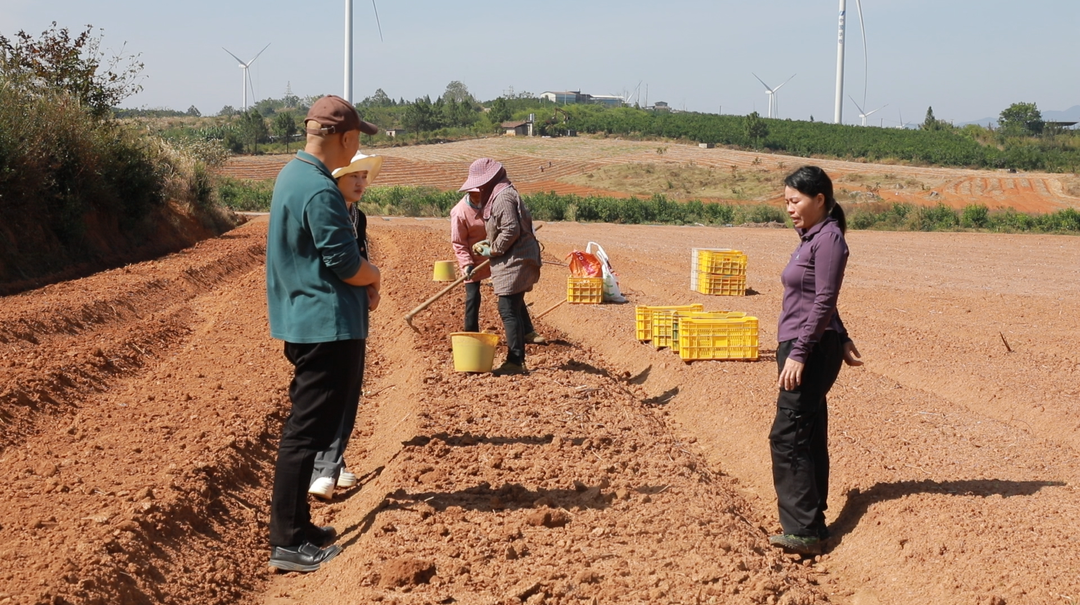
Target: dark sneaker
[(803, 545), (304, 558), (321, 536), (535, 339), (509, 368)]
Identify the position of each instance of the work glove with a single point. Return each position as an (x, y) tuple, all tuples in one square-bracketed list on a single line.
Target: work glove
[(483, 248), (468, 271)]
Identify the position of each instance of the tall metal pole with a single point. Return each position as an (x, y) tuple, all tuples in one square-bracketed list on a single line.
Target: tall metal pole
[(243, 83), (838, 114), (348, 50)]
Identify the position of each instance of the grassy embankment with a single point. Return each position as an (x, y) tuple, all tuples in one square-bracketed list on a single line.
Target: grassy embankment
[(80, 192)]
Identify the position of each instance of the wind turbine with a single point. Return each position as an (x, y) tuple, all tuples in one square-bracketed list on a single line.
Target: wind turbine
[(774, 108), (245, 76), (839, 110), (349, 45), (629, 97), (866, 114)]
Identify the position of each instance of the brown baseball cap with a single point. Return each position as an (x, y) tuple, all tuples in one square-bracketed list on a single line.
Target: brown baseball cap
[(332, 114)]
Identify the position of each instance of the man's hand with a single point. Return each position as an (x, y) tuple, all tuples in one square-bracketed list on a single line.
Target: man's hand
[(483, 248), (367, 275), (373, 298), (468, 271)]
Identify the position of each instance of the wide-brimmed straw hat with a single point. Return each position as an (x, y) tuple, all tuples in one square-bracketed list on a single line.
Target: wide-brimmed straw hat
[(371, 163), (480, 173)]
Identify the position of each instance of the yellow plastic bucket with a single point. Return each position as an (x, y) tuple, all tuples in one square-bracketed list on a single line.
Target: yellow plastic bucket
[(473, 351), (444, 270)]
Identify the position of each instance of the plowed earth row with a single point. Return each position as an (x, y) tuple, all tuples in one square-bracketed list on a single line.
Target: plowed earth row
[(540, 165), (141, 408)]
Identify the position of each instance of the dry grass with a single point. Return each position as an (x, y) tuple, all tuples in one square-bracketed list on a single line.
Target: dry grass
[(1072, 185), (683, 180)]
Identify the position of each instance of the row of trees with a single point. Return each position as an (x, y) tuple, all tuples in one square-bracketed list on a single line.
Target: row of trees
[(1021, 140)]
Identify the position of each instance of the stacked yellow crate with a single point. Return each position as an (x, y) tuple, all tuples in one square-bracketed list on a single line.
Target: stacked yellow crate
[(695, 334), (718, 271), (680, 316), (643, 316), (718, 338)]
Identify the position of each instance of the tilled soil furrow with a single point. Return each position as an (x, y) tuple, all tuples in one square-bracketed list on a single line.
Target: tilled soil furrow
[(558, 486), (63, 342), (149, 482)]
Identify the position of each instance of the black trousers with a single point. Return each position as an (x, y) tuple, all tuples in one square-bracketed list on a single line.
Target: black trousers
[(330, 462), (517, 323), (799, 439), (472, 306), (326, 380)]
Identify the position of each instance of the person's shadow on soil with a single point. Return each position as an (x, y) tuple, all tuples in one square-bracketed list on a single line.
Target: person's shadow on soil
[(468, 439), (549, 506), (858, 501)]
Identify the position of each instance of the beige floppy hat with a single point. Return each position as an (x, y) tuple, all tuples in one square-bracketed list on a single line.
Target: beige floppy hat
[(371, 163)]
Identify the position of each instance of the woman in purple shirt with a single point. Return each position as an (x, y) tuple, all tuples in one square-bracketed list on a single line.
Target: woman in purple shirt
[(812, 345)]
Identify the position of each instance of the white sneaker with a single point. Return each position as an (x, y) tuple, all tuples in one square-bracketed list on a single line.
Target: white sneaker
[(346, 479), (323, 488)]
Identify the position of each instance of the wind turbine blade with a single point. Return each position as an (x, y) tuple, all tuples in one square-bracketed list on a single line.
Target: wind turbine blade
[(866, 62), (260, 52), (762, 82), (861, 112), (785, 82), (377, 22), (238, 60), (878, 109)]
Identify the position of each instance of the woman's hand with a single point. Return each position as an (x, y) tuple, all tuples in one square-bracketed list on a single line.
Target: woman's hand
[(851, 354), (483, 248), (791, 375), (373, 298)]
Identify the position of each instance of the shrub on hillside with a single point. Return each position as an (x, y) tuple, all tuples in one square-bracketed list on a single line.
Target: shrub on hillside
[(78, 186)]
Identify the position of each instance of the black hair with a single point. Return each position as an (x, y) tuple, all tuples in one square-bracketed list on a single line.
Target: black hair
[(811, 181)]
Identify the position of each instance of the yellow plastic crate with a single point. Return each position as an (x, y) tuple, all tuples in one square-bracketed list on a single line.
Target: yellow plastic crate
[(720, 261), (643, 317), (676, 319), (721, 285), (663, 327), (728, 338), (586, 290)]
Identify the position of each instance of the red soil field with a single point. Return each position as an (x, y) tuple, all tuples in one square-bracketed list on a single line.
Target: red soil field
[(140, 407)]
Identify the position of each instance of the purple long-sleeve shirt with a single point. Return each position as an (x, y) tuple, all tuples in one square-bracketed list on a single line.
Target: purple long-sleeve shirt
[(812, 282)]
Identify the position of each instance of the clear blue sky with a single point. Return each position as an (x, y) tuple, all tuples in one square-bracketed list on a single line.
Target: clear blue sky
[(968, 59)]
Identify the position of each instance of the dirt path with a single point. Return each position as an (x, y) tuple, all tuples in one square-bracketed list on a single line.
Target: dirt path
[(139, 410)]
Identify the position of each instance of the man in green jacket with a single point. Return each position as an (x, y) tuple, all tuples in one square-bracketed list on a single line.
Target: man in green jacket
[(319, 290)]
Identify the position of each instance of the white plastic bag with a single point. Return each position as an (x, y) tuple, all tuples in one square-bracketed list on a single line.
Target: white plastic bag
[(611, 280)]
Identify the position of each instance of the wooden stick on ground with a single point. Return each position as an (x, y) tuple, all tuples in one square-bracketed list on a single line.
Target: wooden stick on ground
[(438, 295), (550, 309)]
